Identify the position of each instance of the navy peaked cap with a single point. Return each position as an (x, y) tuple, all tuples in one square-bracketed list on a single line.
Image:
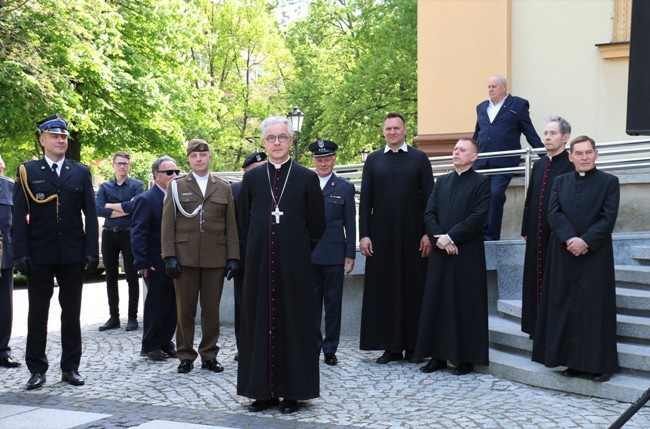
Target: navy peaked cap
[(323, 148)]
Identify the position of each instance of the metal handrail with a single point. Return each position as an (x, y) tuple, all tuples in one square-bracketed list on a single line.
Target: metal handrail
[(612, 156)]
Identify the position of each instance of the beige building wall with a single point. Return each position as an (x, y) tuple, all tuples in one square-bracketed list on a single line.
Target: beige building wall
[(558, 68), (547, 50), (460, 44)]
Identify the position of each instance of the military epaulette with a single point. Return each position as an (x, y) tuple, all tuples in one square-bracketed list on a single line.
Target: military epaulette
[(214, 175), (344, 179), (180, 176)]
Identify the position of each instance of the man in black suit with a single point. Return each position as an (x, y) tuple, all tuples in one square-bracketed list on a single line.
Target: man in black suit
[(251, 161), (50, 241), (159, 320), (335, 250), (500, 121), (7, 274)]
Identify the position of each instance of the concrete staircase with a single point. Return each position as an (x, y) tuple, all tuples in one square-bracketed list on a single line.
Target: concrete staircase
[(510, 349)]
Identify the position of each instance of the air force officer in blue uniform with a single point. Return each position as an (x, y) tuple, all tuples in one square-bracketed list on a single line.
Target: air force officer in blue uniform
[(53, 240), (335, 251)]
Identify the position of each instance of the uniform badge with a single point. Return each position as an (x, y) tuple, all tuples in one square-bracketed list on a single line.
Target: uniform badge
[(321, 144), (258, 157), (40, 196)]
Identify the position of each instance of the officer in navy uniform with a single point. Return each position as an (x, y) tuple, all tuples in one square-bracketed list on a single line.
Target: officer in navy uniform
[(335, 251), (50, 241), (7, 274)]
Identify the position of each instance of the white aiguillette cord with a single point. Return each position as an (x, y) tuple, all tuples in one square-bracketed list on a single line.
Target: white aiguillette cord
[(278, 213), (178, 205)]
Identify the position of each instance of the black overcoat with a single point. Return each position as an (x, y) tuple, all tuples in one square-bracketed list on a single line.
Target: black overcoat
[(394, 192), (278, 349), (535, 227), (454, 317), (576, 324)]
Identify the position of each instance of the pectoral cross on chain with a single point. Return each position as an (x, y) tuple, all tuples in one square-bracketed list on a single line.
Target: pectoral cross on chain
[(277, 213)]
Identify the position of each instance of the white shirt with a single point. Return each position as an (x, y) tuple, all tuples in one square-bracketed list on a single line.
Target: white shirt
[(59, 164), (493, 109), (202, 181), (324, 180), (404, 147)]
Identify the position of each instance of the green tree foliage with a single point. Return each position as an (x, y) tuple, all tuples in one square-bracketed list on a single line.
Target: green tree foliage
[(146, 76), (355, 62)]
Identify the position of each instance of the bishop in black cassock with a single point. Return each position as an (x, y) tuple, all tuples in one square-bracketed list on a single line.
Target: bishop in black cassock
[(576, 324), (281, 210), (454, 316)]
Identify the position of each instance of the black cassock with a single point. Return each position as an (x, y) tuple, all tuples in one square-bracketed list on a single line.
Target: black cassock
[(535, 227), (278, 338), (454, 317), (576, 324), (394, 192)]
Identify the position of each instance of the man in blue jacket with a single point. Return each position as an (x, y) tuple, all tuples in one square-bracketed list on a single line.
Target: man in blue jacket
[(500, 121), (335, 251), (159, 320)]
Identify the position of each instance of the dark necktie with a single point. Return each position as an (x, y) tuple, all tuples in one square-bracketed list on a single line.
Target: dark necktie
[(54, 169)]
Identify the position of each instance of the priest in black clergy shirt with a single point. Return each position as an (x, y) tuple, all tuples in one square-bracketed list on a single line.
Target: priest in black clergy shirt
[(534, 225), (576, 324), (454, 317), (281, 210), (395, 184)]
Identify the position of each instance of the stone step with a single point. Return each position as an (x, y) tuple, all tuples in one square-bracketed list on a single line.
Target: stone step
[(637, 300), (628, 326), (641, 253), (633, 276), (506, 335), (621, 387)]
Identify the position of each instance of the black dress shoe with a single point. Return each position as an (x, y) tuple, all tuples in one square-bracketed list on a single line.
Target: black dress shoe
[(212, 365), (185, 366), (262, 404), (330, 359), (570, 372), (156, 355), (170, 351), (112, 323), (463, 368), (389, 356), (72, 377), (131, 324), (601, 378), (36, 380), (434, 365), (289, 406), (8, 362), (409, 355)]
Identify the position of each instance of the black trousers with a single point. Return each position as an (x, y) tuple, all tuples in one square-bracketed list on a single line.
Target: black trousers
[(159, 320), (40, 288), (112, 244), (238, 286), (6, 310), (328, 293)]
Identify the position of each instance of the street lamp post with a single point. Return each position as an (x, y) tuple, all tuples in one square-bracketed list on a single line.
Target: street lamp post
[(296, 117), (364, 155)]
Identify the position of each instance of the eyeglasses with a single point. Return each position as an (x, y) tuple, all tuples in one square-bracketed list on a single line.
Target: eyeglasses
[(170, 172), (282, 138), (122, 164)]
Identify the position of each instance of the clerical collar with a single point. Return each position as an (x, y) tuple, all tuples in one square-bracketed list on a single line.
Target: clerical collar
[(404, 148), (324, 180), (553, 156), (278, 166), (50, 162), (460, 173)]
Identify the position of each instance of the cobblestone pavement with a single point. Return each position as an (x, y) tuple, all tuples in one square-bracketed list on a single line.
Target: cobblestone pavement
[(125, 390)]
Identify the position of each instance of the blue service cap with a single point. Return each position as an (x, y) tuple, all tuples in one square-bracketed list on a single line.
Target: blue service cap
[(54, 124), (253, 158), (323, 148)]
